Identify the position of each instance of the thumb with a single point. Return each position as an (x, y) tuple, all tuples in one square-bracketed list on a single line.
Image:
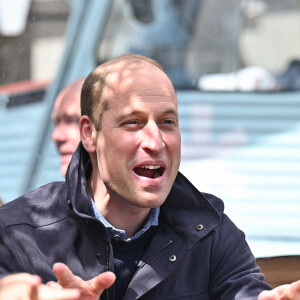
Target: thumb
[(266, 295)]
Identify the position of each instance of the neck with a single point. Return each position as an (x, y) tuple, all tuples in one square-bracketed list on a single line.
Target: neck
[(131, 221), (116, 210)]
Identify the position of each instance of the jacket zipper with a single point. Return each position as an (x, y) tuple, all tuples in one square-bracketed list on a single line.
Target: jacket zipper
[(107, 269)]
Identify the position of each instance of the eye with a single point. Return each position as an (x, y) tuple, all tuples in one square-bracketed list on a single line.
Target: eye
[(169, 122), (71, 121), (131, 124), (66, 120)]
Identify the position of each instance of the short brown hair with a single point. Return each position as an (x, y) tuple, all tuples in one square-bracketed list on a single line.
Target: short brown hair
[(92, 103)]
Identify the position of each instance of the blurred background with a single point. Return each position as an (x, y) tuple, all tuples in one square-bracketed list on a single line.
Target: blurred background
[(236, 68)]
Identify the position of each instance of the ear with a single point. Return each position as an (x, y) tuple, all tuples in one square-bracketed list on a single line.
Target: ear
[(87, 134)]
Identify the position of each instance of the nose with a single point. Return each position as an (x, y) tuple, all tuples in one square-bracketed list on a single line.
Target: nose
[(58, 133), (152, 139)]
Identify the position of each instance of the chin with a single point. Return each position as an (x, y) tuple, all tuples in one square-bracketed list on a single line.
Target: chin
[(152, 201)]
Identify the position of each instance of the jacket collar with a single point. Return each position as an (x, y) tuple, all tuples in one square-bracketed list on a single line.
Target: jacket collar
[(79, 168), (187, 216), (190, 211)]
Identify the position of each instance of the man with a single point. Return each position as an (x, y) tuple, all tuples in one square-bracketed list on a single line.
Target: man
[(65, 116), (125, 208)]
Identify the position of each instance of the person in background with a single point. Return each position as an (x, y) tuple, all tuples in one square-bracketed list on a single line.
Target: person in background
[(65, 117), (125, 208)]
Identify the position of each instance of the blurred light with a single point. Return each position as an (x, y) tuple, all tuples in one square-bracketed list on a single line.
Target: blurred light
[(13, 16)]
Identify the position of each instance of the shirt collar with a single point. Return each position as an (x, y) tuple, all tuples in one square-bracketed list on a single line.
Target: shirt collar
[(119, 234)]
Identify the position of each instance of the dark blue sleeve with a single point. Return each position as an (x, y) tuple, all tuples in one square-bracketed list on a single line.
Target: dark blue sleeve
[(8, 263), (234, 273)]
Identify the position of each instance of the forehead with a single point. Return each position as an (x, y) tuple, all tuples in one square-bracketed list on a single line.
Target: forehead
[(143, 82), (68, 103)]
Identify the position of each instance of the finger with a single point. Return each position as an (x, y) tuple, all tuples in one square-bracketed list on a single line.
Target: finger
[(64, 275), (287, 291), (33, 292), (102, 282), (54, 285), (21, 277), (47, 293), (277, 293), (19, 286), (266, 295), (295, 288)]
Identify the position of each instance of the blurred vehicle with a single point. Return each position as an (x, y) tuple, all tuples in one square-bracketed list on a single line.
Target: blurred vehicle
[(240, 146)]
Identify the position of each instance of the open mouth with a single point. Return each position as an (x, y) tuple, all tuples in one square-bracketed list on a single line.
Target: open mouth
[(150, 171)]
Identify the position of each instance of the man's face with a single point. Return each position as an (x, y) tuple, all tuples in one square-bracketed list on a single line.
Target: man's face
[(66, 115), (139, 145)]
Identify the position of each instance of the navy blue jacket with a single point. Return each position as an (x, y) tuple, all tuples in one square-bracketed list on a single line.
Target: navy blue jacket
[(196, 253)]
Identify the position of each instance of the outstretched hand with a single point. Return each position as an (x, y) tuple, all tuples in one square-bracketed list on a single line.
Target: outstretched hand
[(24, 286), (90, 290), (283, 292)]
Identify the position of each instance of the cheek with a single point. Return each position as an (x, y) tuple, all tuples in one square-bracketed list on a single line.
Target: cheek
[(174, 144), (123, 144), (74, 132), (122, 150), (111, 148)]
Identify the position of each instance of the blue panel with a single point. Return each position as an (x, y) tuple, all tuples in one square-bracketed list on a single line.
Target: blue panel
[(245, 148)]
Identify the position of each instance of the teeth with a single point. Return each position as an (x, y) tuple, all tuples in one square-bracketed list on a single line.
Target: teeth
[(151, 167)]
